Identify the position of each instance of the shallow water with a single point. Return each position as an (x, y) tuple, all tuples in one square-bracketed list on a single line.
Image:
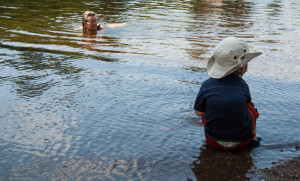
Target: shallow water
[(119, 106)]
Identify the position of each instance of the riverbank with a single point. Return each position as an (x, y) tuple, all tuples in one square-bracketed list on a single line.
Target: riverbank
[(288, 170)]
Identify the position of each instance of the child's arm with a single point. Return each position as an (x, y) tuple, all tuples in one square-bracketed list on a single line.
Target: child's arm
[(199, 105), (199, 113)]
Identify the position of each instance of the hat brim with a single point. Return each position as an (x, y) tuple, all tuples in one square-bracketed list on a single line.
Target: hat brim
[(216, 71)]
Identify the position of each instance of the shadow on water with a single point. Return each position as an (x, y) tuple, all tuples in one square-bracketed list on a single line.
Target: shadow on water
[(215, 164)]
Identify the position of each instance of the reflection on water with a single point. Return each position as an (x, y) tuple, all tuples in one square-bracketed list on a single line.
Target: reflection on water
[(119, 105), (193, 28), (34, 68), (77, 168), (232, 16), (215, 164)]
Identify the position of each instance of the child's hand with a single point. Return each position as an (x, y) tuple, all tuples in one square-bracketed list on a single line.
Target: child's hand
[(199, 113)]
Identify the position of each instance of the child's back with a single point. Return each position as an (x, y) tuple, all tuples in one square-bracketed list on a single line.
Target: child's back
[(224, 100)]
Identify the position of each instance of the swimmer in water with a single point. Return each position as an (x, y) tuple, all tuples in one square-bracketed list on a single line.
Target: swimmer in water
[(90, 25)]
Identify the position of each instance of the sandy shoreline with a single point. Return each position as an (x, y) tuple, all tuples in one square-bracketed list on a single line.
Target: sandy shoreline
[(288, 170)]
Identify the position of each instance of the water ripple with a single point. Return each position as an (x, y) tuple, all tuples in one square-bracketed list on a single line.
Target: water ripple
[(119, 105)]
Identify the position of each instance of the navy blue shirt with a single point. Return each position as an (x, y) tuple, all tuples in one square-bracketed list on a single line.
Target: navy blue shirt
[(224, 103)]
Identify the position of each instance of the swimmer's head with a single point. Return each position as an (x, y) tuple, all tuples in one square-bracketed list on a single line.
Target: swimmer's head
[(89, 21)]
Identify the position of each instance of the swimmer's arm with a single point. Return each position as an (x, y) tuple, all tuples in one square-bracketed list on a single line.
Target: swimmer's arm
[(100, 27), (115, 25), (199, 113), (80, 28)]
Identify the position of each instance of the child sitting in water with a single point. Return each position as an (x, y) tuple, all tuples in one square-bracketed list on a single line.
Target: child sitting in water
[(224, 100)]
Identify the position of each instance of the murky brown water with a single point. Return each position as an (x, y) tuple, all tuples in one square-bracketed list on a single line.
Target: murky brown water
[(119, 105)]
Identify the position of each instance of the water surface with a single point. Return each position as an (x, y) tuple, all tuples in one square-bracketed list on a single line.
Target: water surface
[(119, 105)]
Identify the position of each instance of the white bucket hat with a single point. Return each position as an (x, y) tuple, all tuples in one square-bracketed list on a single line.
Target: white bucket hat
[(229, 55)]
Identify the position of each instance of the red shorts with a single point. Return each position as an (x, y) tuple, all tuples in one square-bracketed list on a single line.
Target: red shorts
[(240, 145)]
